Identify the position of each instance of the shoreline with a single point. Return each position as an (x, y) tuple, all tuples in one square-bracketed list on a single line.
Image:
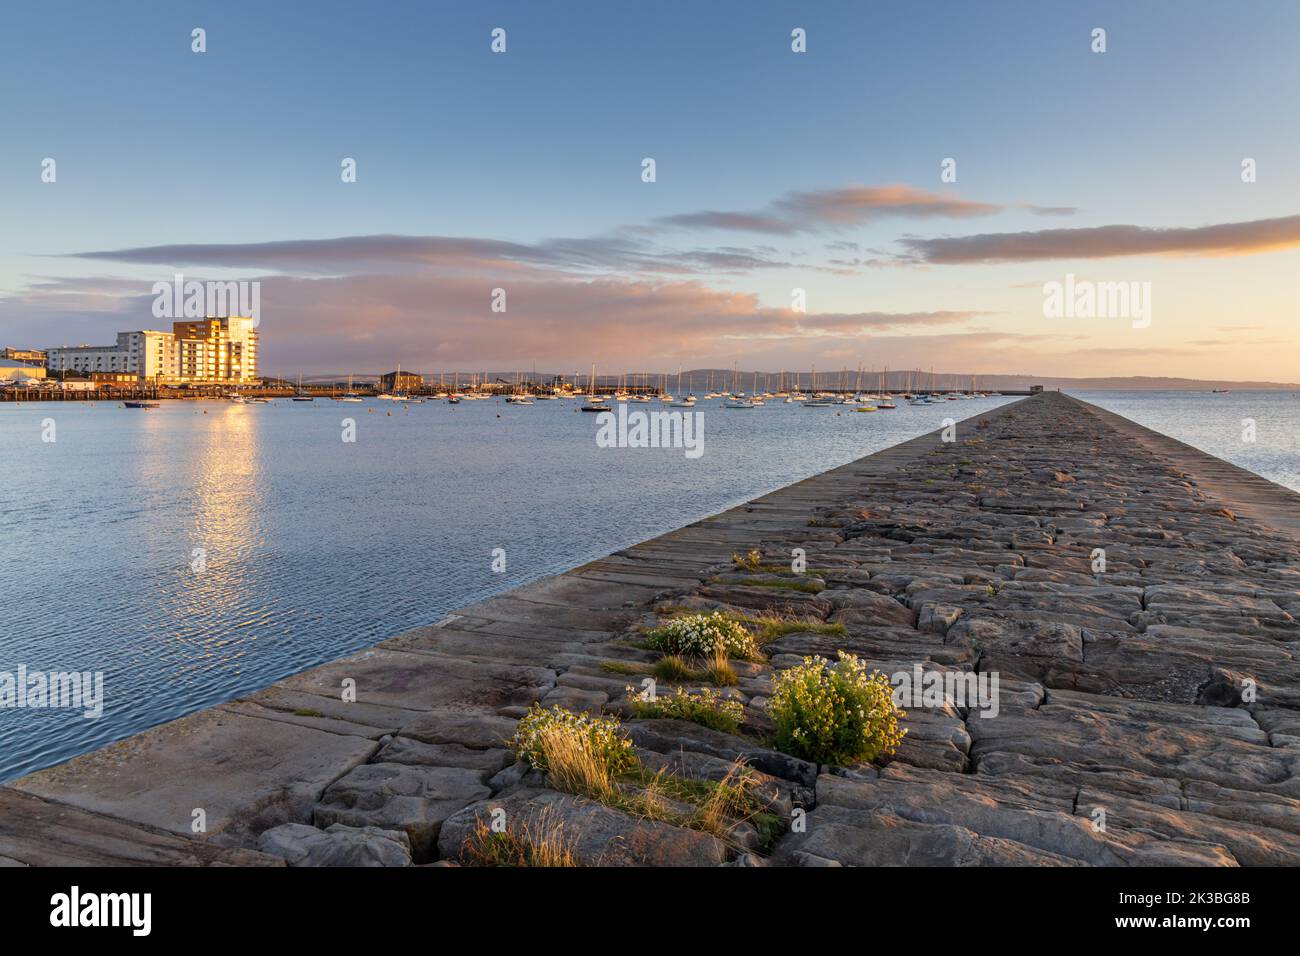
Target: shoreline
[(438, 701)]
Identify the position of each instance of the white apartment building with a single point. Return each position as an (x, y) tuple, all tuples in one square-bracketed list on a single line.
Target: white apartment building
[(149, 354), (200, 351)]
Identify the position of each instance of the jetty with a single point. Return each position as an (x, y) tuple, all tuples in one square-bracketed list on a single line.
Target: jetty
[(1138, 600)]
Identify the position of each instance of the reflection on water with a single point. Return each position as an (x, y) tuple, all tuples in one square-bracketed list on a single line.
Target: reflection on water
[(221, 508)]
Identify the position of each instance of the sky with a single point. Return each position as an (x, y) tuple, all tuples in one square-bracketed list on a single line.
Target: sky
[(798, 214)]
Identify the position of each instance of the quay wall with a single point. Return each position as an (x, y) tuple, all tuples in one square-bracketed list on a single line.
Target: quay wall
[(1161, 692)]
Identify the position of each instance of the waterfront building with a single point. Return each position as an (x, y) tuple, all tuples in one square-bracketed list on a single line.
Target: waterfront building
[(26, 356), (401, 381), (204, 351), (114, 379), (217, 350), (149, 354), (12, 370)]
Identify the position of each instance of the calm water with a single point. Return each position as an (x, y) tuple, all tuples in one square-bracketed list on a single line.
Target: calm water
[(1214, 424), (315, 548)]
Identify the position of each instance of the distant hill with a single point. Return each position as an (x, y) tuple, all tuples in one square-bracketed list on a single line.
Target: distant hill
[(962, 380), (699, 379)]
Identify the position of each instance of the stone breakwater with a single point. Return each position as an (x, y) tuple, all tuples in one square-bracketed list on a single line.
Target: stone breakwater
[(1149, 713)]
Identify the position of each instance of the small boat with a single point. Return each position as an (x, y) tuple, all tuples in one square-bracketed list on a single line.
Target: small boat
[(817, 403), (865, 408), (349, 395), (738, 403), (143, 404), (302, 396), (596, 403), (886, 406), (257, 401), (518, 400)]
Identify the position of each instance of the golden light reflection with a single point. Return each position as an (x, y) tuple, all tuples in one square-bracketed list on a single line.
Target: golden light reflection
[(204, 473)]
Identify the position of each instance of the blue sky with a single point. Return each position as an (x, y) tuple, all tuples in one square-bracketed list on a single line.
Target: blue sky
[(160, 147)]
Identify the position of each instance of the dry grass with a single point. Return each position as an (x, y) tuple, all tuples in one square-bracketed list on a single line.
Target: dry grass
[(539, 843), (720, 672), (574, 766), (729, 803), (786, 584), (672, 668), (714, 808), (624, 668), (652, 801), (675, 669), (773, 626)]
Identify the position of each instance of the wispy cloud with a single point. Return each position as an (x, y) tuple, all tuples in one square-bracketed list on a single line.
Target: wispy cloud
[(346, 255), (1099, 242), (827, 210)]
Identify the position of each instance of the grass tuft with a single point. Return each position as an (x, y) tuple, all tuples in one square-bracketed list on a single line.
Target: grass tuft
[(773, 626), (574, 766), (748, 562), (720, 672), (672, 668), (706, 708), (539, 844), (789, 584), (624, 669)]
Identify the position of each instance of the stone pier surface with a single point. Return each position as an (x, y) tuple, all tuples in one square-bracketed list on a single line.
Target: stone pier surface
[(1148, 713)]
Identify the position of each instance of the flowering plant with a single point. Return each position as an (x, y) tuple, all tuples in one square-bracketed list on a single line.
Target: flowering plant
[(703, 635), (706, 707), (601, 737), (837, 713)]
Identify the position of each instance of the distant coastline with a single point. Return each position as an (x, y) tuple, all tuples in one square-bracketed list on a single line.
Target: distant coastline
[(895, 379)]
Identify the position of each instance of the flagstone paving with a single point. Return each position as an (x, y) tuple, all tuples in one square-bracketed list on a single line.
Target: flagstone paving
[(1148, 710)]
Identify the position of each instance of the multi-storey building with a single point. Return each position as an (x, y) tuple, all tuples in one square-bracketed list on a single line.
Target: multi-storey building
[(149, 354), (217, 350), (34, 357), (206, 351)]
